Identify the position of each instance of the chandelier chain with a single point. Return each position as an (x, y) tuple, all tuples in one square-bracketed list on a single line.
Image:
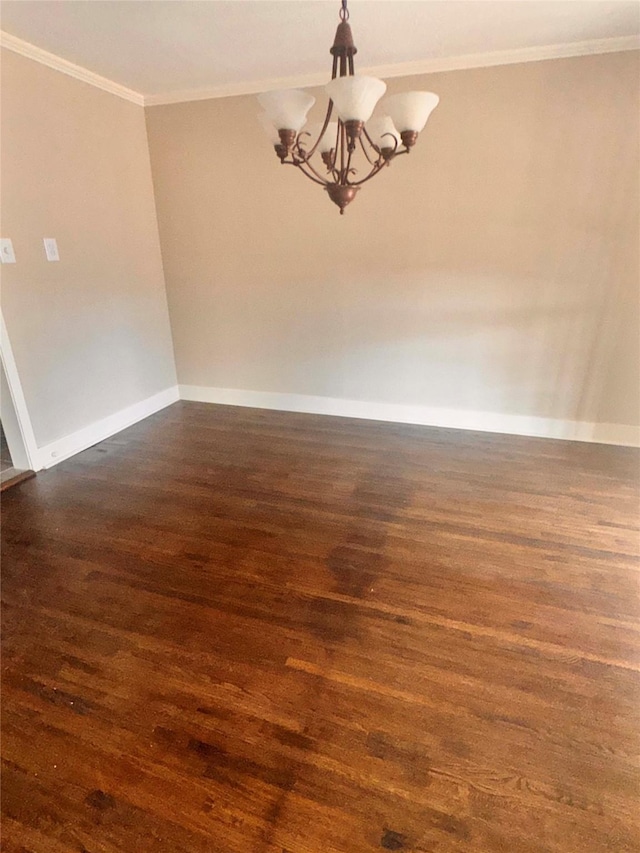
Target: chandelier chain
[(344, 12)]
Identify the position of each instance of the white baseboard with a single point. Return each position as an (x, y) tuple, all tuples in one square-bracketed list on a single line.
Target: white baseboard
[(63, 448), (600, 433)]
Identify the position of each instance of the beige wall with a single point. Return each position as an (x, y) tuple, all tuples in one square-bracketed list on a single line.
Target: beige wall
[(90, 334), (495, 269)]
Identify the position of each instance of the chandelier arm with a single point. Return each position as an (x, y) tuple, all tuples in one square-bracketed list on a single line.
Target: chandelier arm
[(324, 128), (348, 166), (366, 153), (298, 148), (335, 148), (395, 145), (305, 161), (300, 161), (307, 175), (343, 144), (329, 109), (370, 140), (377, 168)]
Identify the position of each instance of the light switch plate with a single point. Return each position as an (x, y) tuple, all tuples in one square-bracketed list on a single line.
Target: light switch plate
[(51, 248), (7, 255)]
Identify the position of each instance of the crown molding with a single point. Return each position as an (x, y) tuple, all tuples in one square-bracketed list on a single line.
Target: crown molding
[(408, 69), (24, 48), (401, 69)]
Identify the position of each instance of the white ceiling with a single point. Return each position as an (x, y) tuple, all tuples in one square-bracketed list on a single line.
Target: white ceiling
[(162, 48)]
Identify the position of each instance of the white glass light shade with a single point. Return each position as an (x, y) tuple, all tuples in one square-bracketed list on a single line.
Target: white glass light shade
[(287, 108), (383, 132), (410, 110), (269, 128), (355, 97)]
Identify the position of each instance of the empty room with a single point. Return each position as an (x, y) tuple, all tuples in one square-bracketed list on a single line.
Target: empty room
[(320, 421)]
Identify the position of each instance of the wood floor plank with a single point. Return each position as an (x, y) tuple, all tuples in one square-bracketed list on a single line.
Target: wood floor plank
[(239, 631)]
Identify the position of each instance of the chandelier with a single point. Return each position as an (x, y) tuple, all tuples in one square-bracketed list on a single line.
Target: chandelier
[(352, 142)]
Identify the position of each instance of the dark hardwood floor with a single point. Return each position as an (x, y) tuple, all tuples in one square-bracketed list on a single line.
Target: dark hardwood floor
[(239, 631)]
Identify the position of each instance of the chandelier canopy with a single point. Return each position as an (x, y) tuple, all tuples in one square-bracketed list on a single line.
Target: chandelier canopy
[(356, 135)]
